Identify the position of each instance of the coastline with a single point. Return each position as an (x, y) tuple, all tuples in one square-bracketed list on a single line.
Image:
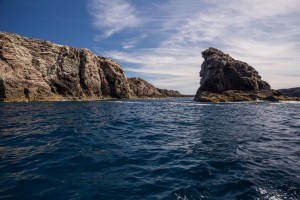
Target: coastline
[(90, 99)]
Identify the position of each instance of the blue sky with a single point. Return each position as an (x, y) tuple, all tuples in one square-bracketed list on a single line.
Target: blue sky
[(162, 40)]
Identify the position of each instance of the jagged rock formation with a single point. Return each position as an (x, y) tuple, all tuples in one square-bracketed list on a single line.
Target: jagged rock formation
[(171, 93), (141, 88), (291, 92), (220, 73), (226, 79), (36, 70)]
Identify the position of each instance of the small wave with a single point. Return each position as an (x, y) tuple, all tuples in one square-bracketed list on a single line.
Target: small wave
[(291, 102), (191, 104), (128, 102), (273, 195), (115, 101)]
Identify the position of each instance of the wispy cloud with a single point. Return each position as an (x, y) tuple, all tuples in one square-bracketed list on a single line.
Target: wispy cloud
[(172, 68), (130, 43), (112, 16), (264, 34)]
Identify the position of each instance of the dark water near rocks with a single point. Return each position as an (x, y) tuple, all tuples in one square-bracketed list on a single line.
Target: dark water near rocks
[(149, 149)]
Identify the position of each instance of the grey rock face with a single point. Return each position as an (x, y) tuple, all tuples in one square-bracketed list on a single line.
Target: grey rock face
[(226, 79), (220, 72), (38, 70)]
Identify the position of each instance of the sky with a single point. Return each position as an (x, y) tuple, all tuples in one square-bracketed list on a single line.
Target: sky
[(161, 40)]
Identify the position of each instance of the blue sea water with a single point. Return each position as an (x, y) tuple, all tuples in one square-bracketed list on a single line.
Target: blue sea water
[(149, 149)]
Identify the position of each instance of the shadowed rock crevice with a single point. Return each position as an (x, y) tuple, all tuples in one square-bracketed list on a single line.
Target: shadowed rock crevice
[(82, 73), (26, 93), (226, 79), (2, 90)]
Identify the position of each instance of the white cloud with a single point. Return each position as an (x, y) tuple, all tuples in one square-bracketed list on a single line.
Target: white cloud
[(181, 65), (130, 43), (265, 34), (111, 16)]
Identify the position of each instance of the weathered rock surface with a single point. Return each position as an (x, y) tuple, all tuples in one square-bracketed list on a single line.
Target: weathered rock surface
[(226, 79), (38, 70), (171, 93), (141, 88), (291, 92)]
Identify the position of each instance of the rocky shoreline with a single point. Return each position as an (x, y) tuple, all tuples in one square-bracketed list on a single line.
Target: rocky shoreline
[(240, 96), (39, 70)]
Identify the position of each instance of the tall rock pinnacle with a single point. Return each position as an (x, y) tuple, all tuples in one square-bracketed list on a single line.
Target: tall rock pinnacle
[(226, 79)]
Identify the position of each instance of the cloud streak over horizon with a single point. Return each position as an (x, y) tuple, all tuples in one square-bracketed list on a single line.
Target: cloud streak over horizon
[(165, 39), (112, 16)]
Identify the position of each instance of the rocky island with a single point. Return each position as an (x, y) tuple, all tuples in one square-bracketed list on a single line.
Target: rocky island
[(225, 79), (291, 92), (38, 70)]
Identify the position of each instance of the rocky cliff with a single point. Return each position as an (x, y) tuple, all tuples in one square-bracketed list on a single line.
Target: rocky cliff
[(38, 70), (225, 79)]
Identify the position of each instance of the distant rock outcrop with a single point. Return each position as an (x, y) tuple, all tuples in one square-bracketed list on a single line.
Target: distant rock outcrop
[(38, 70), (291, 92), (226, 79), (171, 93), (141, 88)]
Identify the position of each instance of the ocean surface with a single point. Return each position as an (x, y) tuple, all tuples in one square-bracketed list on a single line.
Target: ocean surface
[(149, 149)]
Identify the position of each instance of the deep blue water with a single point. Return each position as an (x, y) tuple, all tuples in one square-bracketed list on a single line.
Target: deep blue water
[(149, 149)]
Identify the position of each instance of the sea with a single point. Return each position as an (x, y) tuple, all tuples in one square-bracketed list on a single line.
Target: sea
[(171, 148)]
